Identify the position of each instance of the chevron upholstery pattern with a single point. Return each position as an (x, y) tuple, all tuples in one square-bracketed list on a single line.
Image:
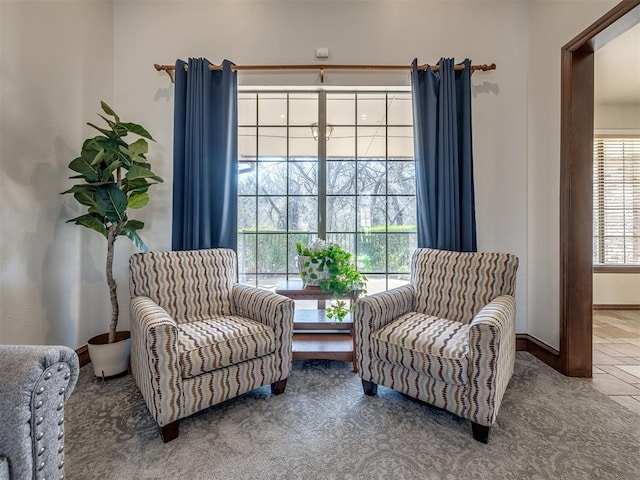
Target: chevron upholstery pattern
[(198, 338), (448, 338), (464, 282), (190, 285), (426, 344), (222, 341)]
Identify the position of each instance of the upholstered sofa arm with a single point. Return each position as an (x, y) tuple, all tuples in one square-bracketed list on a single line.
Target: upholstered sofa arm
[(273, 310), (35, 383), (154, 359), (265, 307), (374, 312), (492, 346)]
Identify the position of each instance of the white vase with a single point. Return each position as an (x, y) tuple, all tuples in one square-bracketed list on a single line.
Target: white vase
[(110, 359), (312, 268)]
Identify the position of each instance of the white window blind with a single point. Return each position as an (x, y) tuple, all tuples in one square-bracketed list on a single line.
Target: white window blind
[(616, 200)]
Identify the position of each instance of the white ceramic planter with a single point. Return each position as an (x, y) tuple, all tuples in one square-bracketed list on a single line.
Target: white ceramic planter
[(110, 359), (307, 280)]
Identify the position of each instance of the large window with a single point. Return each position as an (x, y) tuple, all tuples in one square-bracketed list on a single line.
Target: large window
[(616, 200), (334, 165)]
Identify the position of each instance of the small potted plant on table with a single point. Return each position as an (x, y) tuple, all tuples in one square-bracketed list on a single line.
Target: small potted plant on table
[(329, 266)]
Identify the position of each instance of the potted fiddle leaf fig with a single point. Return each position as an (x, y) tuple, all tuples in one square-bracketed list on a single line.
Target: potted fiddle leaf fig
[(112, 177)]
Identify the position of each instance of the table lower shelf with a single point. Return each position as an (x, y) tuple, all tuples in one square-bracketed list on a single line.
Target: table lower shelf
[(326, 346)]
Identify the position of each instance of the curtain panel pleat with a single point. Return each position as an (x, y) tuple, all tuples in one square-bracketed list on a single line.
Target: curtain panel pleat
[(444, 157), (205, 157)]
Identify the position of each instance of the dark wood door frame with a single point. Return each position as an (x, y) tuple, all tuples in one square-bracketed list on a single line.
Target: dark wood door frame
[(576, 185)]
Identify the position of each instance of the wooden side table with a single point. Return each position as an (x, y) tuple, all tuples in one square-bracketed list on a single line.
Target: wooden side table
[(316, 336)]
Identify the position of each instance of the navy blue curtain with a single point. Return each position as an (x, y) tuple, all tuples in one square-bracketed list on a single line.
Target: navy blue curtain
[(444, 158), (205, 151)]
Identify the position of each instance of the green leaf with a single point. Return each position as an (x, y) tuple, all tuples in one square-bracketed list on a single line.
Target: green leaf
[(107, 172), (136, 172), (138, 200), (133, 236), (134, 158), (86, 198), (139, 147), (139, 185), (134, 224), (82, 188), (112, 203), (137, 129), (111, 123), (120, 130), (83, 167), (126, 160), (91, 221), (98, 156), (114, 149), (108, 110), (92, 144), (105, 132)]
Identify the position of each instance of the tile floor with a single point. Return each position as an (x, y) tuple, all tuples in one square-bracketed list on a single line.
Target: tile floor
[(616, 356)]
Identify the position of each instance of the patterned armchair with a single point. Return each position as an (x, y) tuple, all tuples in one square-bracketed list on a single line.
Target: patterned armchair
[(35, 383), (448, 338), (199, 338)]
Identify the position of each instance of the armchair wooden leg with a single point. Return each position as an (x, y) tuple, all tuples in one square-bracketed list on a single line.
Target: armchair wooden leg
[(369, 388), (480, 432), (170, 432), (278, 387)]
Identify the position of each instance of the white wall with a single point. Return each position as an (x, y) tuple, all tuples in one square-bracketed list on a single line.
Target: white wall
[(271, 32), (516, 115), (553, 24), (617, 117), (616, 289), (56, 60)]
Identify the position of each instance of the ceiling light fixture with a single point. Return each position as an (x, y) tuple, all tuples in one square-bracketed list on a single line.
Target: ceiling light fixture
[(327, 131)]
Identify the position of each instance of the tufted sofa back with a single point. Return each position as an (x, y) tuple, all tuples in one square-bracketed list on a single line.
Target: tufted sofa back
[(190, 285), (456, 285)]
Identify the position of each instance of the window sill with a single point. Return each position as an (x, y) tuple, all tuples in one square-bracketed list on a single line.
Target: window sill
[(616, 269)]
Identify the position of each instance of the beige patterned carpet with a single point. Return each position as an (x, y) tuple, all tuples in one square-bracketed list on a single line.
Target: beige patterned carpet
[(323, 427)]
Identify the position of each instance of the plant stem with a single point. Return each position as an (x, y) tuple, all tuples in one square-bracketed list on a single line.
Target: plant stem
[(111, 239)]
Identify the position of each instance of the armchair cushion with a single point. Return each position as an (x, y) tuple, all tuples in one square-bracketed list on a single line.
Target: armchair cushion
[(426, 344), (218, 342)]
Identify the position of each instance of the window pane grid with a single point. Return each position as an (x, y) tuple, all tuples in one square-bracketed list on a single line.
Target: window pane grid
[(372, 204)]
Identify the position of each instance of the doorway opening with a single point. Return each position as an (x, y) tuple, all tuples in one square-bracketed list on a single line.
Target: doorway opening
[(576, 189)]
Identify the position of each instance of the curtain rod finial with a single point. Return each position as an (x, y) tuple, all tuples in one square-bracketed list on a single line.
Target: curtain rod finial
[(166, 68)]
